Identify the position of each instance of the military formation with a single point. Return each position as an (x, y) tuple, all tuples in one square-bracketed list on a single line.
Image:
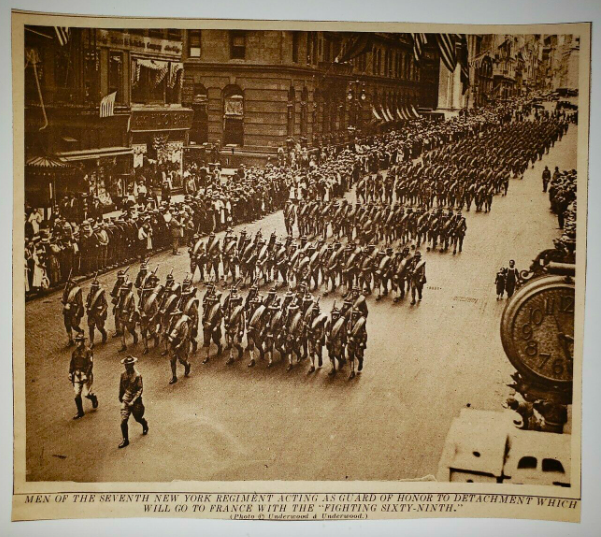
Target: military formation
[(370, 247)]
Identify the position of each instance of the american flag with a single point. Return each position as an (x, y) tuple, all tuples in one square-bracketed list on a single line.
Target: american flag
[(107, 105), (446, 46), (62, 34), (419, 40)]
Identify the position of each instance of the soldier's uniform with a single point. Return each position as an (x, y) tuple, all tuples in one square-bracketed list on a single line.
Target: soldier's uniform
[(81, 375), (357, 341), (417, 272), (336, 340), (115, 294), (130, 397), (97, 307), (234, 324), (127, 313), (72, 310), (178, 336), (212, 317)]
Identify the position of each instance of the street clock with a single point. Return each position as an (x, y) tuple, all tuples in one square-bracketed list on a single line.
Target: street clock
[(537, 331)]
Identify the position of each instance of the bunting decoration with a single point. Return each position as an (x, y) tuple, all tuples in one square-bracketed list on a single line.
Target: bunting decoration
[(446, 46), (107, 105), (419, 41), (462, 57), (359, 45), (62, 34)]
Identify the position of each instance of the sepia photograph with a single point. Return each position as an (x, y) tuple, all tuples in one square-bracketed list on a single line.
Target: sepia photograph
[(308, 255)]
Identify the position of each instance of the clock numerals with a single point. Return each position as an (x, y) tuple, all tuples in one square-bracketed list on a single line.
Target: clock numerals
[(549, 306), (566, 304), (527, 331), (536, 316), (531, 348), (558, 367), (545, 357)]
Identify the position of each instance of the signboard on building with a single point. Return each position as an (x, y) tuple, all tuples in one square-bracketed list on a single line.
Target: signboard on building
[(138, 44)]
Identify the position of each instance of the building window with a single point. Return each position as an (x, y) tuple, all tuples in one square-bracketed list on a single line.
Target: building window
[(149, 81), (116, 75), (194, 43), (233, 111), (291, 111), (295, 46), (237, 45), (157, 33), (199, 133), (174, 34)]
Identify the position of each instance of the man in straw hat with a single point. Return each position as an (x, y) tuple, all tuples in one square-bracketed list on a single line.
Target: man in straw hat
[(130, 397)]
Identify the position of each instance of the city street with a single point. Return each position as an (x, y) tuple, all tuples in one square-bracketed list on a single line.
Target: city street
[(232, 422)]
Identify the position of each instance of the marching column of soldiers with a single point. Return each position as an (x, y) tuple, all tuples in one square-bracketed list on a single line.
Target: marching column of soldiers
[(173, 318), (413, 204)]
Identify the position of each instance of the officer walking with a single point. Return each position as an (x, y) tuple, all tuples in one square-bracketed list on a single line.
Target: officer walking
[(81, 375), (546, 178), (130, 397)]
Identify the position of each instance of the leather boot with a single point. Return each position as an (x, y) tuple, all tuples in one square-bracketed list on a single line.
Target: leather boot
[(125, 433), (79, 405)]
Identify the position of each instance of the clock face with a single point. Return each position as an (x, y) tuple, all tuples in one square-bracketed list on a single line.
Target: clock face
[(538, 331)]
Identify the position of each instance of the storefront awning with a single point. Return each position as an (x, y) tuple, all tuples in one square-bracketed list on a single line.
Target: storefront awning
[(87, 154)]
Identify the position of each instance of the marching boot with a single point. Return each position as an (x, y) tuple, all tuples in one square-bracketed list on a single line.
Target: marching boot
[(173, 372), (135, 337), (230, 360), (91, 338), (123, 348), (187, 368), (79, 405), (252, 358), (144, 426), (125, 433), (104, 335), (92, 397)]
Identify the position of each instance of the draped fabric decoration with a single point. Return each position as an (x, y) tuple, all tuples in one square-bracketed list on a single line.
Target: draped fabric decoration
[(161, 69), (360, 44), (176, 70), (398, 113), (375, 113), (462, 58), (446, 46), (416, 114), (419, 40), (62, 34)]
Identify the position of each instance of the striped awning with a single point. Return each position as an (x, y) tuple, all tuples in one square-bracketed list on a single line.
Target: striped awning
[(47, 163)]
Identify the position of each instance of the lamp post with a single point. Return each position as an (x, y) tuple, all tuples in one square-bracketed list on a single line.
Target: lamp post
[(356, 96)]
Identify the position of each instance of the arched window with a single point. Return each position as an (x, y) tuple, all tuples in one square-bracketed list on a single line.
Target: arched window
[(233, 116)]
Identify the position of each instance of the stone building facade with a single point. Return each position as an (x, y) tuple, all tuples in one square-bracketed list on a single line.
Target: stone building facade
[(252, 91)]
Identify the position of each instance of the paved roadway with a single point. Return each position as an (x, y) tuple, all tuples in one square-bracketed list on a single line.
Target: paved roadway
[(423, 364)]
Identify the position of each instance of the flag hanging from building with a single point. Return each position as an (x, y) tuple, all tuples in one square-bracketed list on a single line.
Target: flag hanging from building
[(419, 41), (462, 58), (107, 105), (446, 46), (62, 34), (360, 44)]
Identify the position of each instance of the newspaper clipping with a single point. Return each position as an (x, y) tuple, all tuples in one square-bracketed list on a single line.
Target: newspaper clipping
[(298, 271)]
